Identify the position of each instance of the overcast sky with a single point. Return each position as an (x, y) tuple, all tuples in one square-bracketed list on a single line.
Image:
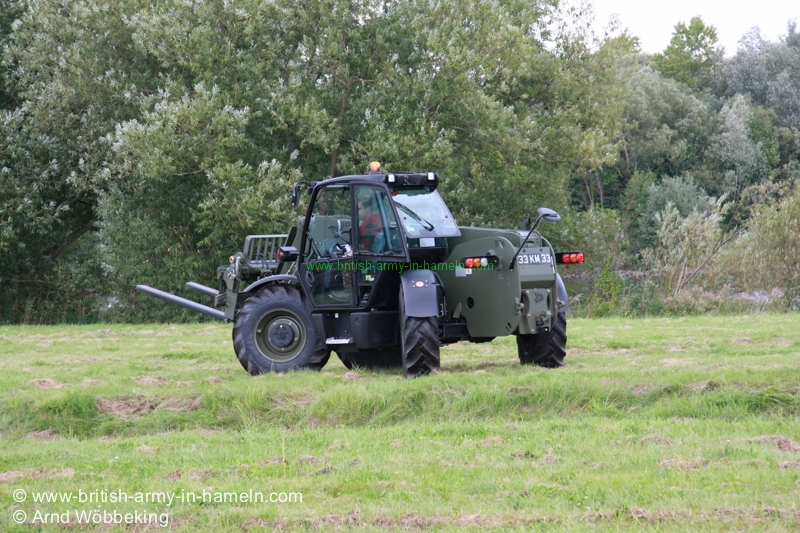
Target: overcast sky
[(654, 21)]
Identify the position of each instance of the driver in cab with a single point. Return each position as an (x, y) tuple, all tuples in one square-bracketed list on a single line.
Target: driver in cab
[(369, 225)]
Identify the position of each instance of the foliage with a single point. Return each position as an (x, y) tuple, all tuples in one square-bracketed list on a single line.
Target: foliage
[(769, 250), (679, 194), (164, 132), (732, 153), (685, 244), (667, 128), (768, 73), (140, 142), (594, 286), (691, 55)]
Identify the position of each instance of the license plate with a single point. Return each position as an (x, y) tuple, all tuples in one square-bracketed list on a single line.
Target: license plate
[(535, 259)]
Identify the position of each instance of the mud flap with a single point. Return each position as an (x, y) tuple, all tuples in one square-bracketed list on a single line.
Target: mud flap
[(562, 295), (422, 292)]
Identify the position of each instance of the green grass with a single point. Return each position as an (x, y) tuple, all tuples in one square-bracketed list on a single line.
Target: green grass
[(660, 424)]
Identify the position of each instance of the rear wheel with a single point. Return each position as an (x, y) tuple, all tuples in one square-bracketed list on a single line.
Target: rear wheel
[(273, 332), (545, 349), (371, 359), (419, 343)]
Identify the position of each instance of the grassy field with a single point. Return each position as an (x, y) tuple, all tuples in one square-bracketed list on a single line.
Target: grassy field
[(660, 424)]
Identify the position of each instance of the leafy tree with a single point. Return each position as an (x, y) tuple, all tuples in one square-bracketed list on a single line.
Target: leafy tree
[(666, 129), (691, 55), (9, 11), (157, 134), (733, 160), (678, 194), (63, 68), (768, 254), (768, 73), (685, 244)]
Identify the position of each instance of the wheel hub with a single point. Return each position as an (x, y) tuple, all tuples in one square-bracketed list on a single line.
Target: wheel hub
[(281, 334)]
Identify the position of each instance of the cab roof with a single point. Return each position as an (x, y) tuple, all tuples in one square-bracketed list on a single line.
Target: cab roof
[(394, 180)]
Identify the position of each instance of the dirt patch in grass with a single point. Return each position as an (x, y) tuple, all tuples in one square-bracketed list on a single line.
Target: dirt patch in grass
[(147, 450), (675, 463), (125, 406), (44, 383), (150, 380), (201, 475), (671, 361), (337, 522), (790, 464), (784, 444), (132, 406), (47, 434), (655, 439), (264, 524), (275, 461), (494, 441), (8, 477), (523, 455), (657, 515), (550, 459), (214, 380), (706, 386), (173, 476), (179, 404)]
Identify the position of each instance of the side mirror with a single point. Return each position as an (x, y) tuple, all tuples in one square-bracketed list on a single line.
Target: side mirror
[(544, 214), (296, 195), (548, 214)]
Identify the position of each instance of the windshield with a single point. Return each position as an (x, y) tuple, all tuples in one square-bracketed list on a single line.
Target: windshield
[(425, 214)]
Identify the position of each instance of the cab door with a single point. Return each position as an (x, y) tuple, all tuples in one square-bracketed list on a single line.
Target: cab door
[(379, 245), (324, 248), (341, 252)]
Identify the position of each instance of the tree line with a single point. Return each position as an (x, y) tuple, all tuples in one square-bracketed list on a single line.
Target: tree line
[(141, 141)]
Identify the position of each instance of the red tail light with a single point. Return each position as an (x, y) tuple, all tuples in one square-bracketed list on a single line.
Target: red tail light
[(486, 261), (569, 258)]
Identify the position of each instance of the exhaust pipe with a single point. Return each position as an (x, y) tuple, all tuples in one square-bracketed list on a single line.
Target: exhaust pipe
[(183, 302)]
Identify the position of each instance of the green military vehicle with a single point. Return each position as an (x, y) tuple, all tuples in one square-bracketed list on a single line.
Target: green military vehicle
[(379, 272)]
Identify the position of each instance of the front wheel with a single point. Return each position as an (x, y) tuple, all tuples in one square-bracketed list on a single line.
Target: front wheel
[(545, 349), (419, 343), (273, 332)]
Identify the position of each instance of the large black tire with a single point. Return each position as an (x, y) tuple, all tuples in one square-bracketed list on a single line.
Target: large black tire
[(545, 349), (371, 359), (419, 343), (273, 332)]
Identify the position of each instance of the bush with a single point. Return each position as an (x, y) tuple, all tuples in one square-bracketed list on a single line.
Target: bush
[(767, 256)]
